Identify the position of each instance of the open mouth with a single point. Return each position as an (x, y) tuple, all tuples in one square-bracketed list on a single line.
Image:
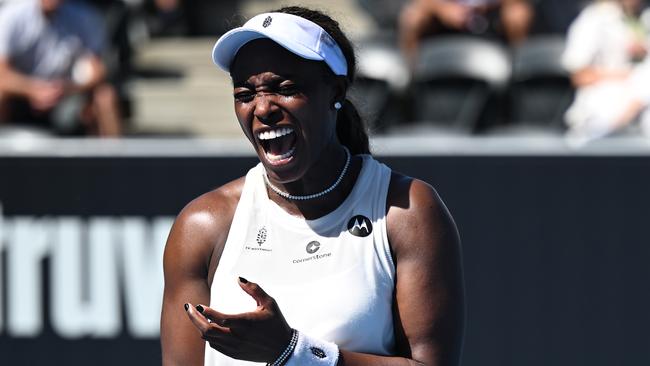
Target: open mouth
[(278, 144)]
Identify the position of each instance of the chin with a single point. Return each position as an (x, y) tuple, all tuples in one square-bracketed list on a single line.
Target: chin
[(282, 171)]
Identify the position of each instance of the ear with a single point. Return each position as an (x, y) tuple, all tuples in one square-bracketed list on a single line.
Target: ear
[(339, 90)]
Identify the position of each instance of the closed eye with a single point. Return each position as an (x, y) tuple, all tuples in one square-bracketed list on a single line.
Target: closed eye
[(287, 90), (244, 96)]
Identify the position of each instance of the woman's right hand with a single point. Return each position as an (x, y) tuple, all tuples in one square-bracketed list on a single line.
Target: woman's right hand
[(258, 336)]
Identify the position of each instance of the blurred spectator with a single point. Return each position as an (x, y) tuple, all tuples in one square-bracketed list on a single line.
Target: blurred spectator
[(555, 16), (118, 51), (606, 53), (186, 17), (51, 73), (166, 17), (509, 20), (384, 13)]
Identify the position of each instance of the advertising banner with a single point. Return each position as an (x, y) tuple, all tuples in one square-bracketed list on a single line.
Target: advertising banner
[(556, 252)]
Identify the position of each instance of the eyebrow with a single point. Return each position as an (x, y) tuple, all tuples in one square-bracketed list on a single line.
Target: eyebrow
[(275, 79), (240, 84)]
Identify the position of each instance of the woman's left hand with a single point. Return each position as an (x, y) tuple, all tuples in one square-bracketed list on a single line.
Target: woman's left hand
[(258, 336)]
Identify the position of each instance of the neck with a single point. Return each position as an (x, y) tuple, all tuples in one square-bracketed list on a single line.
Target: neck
[(321, 174), (318, 178)]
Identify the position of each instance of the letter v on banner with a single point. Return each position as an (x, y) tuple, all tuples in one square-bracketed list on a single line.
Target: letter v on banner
[(142, 249)]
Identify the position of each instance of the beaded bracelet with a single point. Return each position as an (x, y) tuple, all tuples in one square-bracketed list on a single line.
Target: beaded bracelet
[(282, 359)]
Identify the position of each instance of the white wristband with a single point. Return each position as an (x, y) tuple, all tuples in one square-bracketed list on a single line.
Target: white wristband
[(313, 352)]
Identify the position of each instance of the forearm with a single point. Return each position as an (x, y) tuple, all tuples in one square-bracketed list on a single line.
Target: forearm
[(592, 75), (13, 82), (303, 349)]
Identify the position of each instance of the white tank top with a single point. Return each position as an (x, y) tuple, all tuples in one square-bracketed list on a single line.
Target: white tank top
[(332, 277)]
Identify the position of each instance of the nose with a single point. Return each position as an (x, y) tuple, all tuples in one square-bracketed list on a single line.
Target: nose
[(266, 110)]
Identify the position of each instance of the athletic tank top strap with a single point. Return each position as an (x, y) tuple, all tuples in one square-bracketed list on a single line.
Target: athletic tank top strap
[(242, 218)]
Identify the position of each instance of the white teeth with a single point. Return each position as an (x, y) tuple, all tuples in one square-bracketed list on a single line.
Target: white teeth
[(269, 135), (288, 154)]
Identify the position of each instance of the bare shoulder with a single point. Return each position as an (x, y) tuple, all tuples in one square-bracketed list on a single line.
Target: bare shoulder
[(201, 228), (215, 203), (214, 209), (417, 216)]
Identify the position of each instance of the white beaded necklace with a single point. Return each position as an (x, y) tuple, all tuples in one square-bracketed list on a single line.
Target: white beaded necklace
[(315, 195)]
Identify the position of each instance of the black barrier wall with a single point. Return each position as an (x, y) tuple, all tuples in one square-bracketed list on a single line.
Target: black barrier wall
[(555, 252)]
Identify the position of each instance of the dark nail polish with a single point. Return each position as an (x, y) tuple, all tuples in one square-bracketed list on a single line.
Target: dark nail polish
[(186, 306), (199, 308), (243, 280)]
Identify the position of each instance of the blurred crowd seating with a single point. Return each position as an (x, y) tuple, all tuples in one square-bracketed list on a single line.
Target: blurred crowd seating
[(459, 84), (466, 84)]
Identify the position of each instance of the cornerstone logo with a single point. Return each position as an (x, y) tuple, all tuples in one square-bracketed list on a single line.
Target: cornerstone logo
[(311, 248)]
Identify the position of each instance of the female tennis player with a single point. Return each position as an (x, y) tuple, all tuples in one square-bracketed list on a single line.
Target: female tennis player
[(320, 255)]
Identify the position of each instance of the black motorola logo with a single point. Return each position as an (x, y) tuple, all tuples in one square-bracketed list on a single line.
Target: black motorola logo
[(360, 226), (267, 22), (312, 247)]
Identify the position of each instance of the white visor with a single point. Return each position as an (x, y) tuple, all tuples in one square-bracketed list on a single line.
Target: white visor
[(298, 35)]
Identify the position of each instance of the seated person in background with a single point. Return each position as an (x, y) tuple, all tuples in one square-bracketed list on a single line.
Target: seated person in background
[(606, 53), (506, 19), (51, 73)]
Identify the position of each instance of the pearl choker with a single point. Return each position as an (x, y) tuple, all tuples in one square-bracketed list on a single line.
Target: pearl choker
[(315, 195)]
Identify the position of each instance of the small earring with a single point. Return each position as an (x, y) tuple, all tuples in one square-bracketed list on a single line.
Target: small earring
[(337, 105)]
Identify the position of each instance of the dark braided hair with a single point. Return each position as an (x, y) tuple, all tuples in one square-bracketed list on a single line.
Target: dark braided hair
[(350, 129)]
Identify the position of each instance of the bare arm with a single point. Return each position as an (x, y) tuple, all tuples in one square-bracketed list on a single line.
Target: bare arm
[(593, 74), (192, 249), (13, 82), (429, 301), (42, 94)]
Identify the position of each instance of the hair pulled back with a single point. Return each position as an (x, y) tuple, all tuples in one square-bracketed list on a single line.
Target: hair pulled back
[(350, 129)]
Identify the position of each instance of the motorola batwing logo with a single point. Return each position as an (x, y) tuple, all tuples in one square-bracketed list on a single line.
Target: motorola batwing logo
[(360, 226), (312, 247)]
